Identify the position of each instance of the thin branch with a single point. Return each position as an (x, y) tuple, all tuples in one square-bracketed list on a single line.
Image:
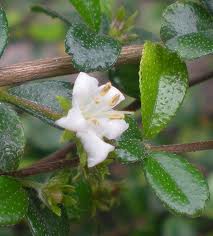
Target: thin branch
[(57, 160), (45, 168), (180, 148), (46, 68), (58, 155), (54, 161), (200, 79)]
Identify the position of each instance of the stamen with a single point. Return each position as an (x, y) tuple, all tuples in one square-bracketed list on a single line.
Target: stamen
[(97, 100), (116, 116), (128, 112), (105, 89), (114, 100), (94, 121)]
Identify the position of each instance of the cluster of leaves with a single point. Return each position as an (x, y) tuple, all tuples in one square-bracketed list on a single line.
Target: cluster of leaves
[(187, 30)]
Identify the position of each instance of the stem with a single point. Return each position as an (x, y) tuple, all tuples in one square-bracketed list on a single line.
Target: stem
[(180, 148), (52, 162), (47, 167), (58, 155), (56, 160), (45, 68)]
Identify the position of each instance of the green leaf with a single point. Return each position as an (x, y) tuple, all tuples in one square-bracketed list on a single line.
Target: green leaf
[(43, 93), (187, 28), (90, 11), (209, 4), (163, 84), (129, 147), (13, 201), (83, 202), (12, 139), (179, 185), (44, 222), (3, 30), (89, 50), (126, 79), (65, 103), (49, 12)]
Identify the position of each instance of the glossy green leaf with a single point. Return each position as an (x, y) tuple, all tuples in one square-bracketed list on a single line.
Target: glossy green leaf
[(90, 11), (163, 84), (44, 222), (129, 147), (13, 201), (187, 28), (209, 5), (3, 30), (12, 139), (44, 93), (178, 184), (89, 50), (49, 12), (126, 79)]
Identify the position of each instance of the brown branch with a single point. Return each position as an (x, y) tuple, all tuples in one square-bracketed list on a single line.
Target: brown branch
[(46, 68), (180, 148), (56, 160), (58, 155), (201, 78), (46, 167), (52, 162)]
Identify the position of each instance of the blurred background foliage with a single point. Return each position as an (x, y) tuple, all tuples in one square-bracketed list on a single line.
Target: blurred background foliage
[(137, 212)]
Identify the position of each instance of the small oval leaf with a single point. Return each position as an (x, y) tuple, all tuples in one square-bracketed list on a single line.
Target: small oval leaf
[(12, 139), (163, 84), (90, 51), (187, 28), (90, 11), (43, 93), (178, 184), (13, 201), (43, 221), (3, 30)]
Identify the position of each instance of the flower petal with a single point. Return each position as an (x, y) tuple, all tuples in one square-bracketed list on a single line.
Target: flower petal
[(84, 89), (110, 129), (97, 150), (108, 97), (74, 120)]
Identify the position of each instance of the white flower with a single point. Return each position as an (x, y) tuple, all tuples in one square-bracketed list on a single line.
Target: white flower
[(92, 117)]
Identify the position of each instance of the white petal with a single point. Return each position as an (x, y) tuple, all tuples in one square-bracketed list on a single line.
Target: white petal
[(84, 89), (97, 150), (74, 121), (110, 94), (111, 129)]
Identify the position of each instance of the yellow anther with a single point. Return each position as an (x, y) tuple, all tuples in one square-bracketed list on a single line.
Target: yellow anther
[(97, 100), (114, 100), (105, 89), (116, 116), (94, 121)]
